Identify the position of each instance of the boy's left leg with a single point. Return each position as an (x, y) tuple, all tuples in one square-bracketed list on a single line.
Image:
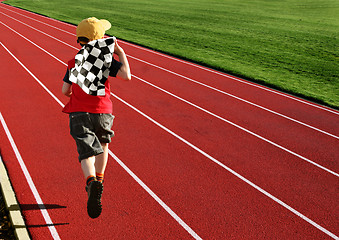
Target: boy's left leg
[(94, 188)]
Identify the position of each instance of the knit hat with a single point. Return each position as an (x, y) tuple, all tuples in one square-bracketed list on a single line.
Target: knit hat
[(92, 28)]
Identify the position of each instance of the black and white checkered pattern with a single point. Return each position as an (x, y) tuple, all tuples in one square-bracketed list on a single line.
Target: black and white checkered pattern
[(92, 65)]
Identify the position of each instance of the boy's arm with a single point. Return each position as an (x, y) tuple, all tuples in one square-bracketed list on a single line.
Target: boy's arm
[(67, 89), (124, 71), (67, 86)]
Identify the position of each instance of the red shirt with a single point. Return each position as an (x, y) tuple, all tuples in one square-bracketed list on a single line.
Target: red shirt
[(83, 102)]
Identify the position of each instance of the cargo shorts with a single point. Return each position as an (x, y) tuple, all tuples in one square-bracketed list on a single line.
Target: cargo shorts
[(89, 130)]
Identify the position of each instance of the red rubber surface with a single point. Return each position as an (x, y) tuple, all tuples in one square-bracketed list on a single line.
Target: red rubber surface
[(290, 162)]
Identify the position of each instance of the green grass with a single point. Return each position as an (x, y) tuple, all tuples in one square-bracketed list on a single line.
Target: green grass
[(288, 44)]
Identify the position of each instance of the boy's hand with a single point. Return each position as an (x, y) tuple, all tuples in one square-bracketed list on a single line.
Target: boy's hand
[(124, 71), (117, 49)]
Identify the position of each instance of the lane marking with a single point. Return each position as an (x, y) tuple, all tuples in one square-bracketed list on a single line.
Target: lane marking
[(275, 199), (30, 182), (1, 6), (222, 165), (155, 197), (143, 185), (237, 79), (208, 112), (241, 99), (15, 213), (184, 62), (39, 31), (243, 129), (30, 73)]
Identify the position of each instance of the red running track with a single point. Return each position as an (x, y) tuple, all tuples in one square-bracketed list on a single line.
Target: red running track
[(197, 153)]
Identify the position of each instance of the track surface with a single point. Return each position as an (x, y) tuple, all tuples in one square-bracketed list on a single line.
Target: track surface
[(197, 153)]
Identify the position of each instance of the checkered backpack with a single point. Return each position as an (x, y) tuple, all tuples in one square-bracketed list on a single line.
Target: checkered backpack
[(92, 65)]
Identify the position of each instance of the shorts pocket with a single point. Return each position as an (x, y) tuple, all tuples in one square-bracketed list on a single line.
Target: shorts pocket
[(104, 132), (106, 121)]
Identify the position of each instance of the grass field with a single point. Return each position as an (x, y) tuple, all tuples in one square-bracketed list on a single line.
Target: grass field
[(288, 44)]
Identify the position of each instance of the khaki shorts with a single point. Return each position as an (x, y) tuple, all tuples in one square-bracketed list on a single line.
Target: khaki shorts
[(89, 130)]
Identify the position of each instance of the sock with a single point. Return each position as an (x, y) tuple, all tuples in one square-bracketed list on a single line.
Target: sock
[(100, 177), (90, 179)]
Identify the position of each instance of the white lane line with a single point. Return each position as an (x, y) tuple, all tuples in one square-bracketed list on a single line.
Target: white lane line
[(231, 170), (30, 73), (143, 185), (39, 31), (30, 182), (156, 198), (225, 167), (242, 128), (41, 21), (33, 43), (236, 79), (188, 63), (214, 115), (240, 99), (32, 13)]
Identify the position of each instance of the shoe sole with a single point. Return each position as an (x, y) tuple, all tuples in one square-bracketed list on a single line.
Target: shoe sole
[(94, 206)]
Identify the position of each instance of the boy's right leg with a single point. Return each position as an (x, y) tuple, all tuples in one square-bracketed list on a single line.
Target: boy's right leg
[(82, 130), (101, 162), (88, 167)]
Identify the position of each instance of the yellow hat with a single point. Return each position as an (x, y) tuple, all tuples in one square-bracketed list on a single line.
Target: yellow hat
[(92, 28)]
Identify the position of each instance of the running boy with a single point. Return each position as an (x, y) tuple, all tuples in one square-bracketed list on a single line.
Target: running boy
[(89, 106)]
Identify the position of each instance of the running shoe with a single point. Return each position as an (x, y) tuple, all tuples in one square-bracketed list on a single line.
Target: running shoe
[(94, 191)]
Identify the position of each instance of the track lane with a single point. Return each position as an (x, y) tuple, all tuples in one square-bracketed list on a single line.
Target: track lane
[(279, 185), (239, 87), (321, 151), (222, 78), (258, 106), (28, 204), (216, 90), (60, 131), (42, 171), (308, 143)]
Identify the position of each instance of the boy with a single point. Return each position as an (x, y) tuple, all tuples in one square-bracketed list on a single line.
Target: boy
[(90, 107)]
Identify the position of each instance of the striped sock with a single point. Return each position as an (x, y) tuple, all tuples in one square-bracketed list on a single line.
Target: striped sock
[(100, 177), (90, 179)]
